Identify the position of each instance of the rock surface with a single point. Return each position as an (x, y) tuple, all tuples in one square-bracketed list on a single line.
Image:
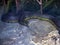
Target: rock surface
[(41, 27), (45, 32), (38, 33)]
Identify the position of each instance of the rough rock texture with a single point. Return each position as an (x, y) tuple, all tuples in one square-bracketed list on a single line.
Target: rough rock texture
[(16, 34), (51, 39), (45, 32)]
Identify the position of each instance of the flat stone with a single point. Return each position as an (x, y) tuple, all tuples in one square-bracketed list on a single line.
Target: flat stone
[(41, 27)]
